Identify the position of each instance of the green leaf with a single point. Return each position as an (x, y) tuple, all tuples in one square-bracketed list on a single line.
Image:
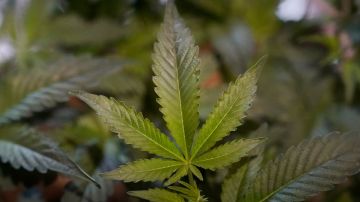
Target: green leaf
[(131, 126), (229, 111), (236, 183), (144, 170), (181, 172), (28, 149), (177, 78), (315, 165), (38, 89), (226, 154), (196, 172), (157, 195)]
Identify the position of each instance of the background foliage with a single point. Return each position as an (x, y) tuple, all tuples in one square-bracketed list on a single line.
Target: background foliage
[(308, 87)]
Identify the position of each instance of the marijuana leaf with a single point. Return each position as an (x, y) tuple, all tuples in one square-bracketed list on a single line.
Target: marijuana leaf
[(38, 89), (131, 126), (226, 154), (157, 195), (145, 170), (315, 165), (177, 78), (228, 112), (29, 149)]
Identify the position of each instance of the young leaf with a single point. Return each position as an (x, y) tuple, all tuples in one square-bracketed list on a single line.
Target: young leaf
[(228, 112), (144, 170), (226, 154), (31, 150), (189, 192), (131, 126), (315, 165), (157, 195), (196, 172), (181, 172), (177, 78), (39, 89)]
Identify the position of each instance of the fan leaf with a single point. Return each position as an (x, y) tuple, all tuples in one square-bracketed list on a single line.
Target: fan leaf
[(26, 148), (229, 111), (157, 195), (144, 170), (196, 172), (315, 165), (177, 78), (131, 126), (226, 154), (42, 88)]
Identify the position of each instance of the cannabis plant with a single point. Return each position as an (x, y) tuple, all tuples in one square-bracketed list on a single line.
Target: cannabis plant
[(25, 92), (312, 166)]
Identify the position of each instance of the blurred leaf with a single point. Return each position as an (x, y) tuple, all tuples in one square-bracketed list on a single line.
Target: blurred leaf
[(82, 33), (259, 15), (235, 48), (93, 193), (35, 90), (314, 165), (351, 78), (27, 148)]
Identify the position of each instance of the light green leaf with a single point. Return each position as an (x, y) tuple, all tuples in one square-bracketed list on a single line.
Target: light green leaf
[(226, 154), (181, 172), (177, 78), (27, 148), (157, 195), (315, 165), (131, 126), (144, 170), (229, 111), (196, 172), (38, 89)]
